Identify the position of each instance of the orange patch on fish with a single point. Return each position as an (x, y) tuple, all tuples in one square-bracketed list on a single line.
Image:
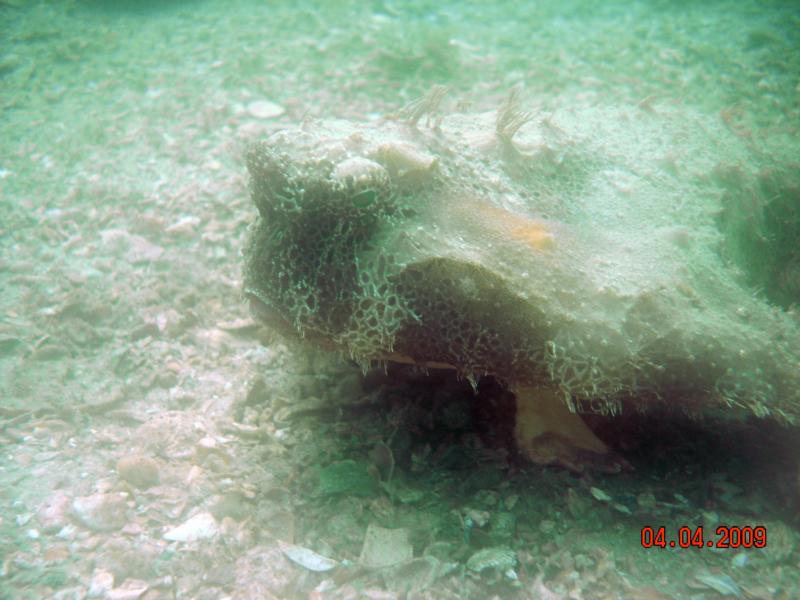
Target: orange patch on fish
[(529, 231)]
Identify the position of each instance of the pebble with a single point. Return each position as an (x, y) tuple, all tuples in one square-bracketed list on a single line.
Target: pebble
[(22, 519), (9, 63), (67, 533), (385, 547), (131, 589), (478, 518), (201, 526), (599, 494), (206, 444), (185, 226), (740, 560), (264, 109), (101, 512), (251, 130), (133, 528), (101, 584), (646, 501), (142, 250), (547, 527), (139, 471), (275, 575), (782, 542), (231, 504), (56, 553), (578, 505), (137, 248)]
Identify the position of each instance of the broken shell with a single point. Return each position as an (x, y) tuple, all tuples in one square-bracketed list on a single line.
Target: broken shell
[(201, 526), (307, 558)]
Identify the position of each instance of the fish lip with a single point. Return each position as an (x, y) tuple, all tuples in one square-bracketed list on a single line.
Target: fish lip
[(268, 316), (263, 313)]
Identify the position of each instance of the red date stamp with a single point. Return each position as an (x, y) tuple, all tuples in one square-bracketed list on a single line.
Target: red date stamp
[(725, 536)]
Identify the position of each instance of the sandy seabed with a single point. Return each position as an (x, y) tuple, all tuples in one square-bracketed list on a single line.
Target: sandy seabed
[(157, 443)]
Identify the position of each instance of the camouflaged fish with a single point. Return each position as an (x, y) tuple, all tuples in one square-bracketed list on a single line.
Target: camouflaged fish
[(594, 258)]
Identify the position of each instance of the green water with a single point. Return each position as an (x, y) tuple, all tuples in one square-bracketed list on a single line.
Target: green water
[(123, 212)]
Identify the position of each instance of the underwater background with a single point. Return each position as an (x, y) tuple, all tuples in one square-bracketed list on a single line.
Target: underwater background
[(157, 442)]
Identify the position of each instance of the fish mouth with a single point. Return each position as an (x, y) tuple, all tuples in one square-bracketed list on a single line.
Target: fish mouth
[(265, 314), (268, 316)]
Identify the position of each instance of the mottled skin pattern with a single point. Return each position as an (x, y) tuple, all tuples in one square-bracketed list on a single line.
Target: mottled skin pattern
[(554, 261)]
